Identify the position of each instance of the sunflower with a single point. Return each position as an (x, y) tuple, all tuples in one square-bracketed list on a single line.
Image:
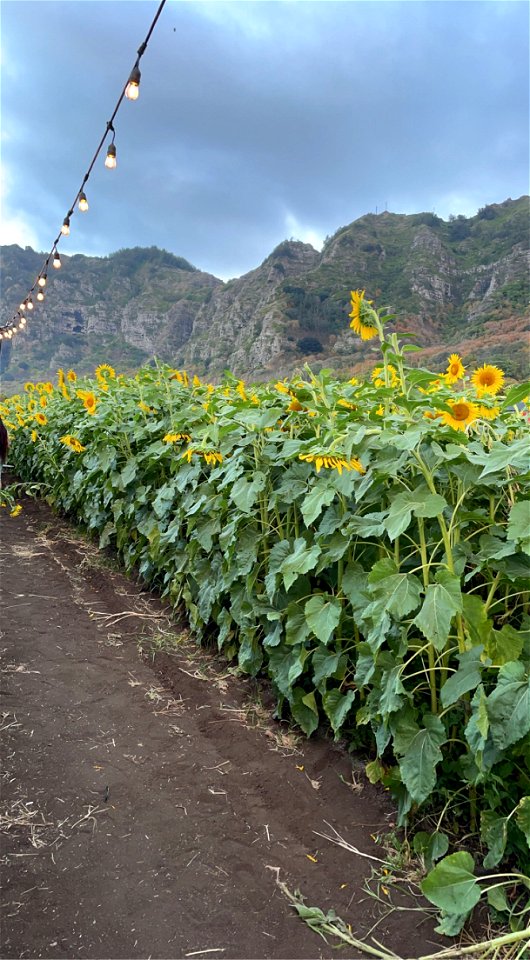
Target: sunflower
[(60, 376), (211, 456), (41, 418), (364, 318), (378, 376), (241, 389), (29, 387), (146, 409), (104, 372), (34, 436), (89, 400), (463, 413), (332, 462), (71, 376), (16, 510), (455, 369), (43, 401), (72, 442), (48, 387), (488, 413), (488, 379)]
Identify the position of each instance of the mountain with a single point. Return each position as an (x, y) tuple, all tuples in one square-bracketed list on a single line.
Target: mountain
[(458, 286)]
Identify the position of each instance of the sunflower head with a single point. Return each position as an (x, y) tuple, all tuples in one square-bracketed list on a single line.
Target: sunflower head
[(104, 372), (488, 379), (71, 376), (364, 319), (455, 369), (462, 414)]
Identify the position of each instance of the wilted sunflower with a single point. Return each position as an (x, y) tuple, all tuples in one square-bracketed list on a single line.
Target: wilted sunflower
[(488, 379), (455, 369), (364, 318), (332, 462), (175, 437), (72, 442), (463, 413)]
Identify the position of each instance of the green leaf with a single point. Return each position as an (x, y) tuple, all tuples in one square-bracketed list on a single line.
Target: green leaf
[(451, 884), (374, 770), (519, 524), (497, 899), (322, 613), (285, 666), (250, 655), (399, 592), (418, 765), (367, 525), (337, 706), (466, 678), (451, 924), (296, 627), (509, 706), (522, 817), (301, 559), (245, 494), (515, 394), (442, 601), (504, 645), (321, 495), (478, 627), (304, 710), (392, 691), (430, 846), (326, 664), (420, 502), (502, 455), (493, 832)]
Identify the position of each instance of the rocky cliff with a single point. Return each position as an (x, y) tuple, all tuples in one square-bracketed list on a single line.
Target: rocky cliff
[(460, 285)]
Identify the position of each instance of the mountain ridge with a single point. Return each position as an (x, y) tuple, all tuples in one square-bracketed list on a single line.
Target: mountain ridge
[(456, 285)]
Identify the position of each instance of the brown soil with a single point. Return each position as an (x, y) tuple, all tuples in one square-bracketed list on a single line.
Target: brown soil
[(146, 798)]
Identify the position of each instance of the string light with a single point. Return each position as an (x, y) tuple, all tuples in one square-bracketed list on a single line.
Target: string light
[(131, 92), (110, 159)]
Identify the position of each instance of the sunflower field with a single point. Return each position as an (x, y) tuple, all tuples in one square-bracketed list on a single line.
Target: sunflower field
[(365, 545)]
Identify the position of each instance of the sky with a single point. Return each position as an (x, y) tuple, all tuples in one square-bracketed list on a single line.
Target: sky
[(257, 121)]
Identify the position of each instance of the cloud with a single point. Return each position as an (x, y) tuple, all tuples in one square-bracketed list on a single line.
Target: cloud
[(260, 120)]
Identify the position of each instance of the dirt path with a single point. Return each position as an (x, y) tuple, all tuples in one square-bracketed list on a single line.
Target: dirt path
[(146, 798)]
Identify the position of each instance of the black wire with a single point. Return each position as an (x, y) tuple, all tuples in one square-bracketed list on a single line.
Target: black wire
[(109, 128)]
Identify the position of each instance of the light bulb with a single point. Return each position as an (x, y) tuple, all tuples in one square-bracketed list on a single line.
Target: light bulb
[(65, 229), (22, 305), (40, 296), (83, 202), (42, 280), (132, 90), (56, 261), (110, 159), (30, 304)]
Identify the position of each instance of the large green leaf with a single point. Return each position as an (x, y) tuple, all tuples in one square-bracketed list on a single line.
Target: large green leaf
[(443, 600), (503, 645), (300, 560), (466, 678), (322, 613), (244, 493), (321, 495), (430, 846), (420, 502), (399, 593), (509, 706), (476, 623), (326, 664), (285, 666), (418, 765), (296, 628), (337, 706), (451, 884), (519, 524)]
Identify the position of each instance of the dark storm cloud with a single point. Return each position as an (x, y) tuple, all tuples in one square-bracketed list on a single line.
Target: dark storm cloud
[(258, 121)]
